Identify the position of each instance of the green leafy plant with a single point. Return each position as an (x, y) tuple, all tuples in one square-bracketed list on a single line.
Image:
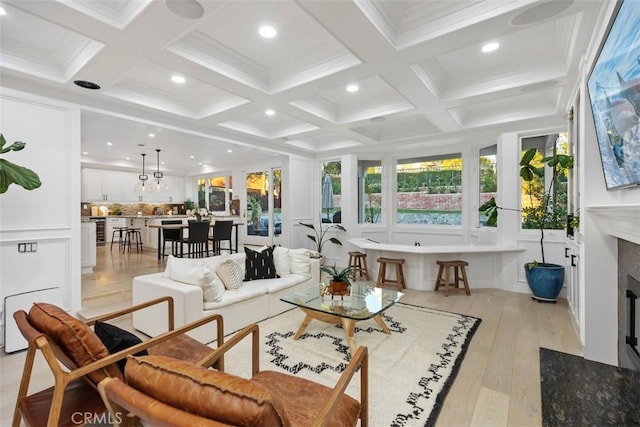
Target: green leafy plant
[(319, 237), (545, 207), (338, 275), (10, 173)]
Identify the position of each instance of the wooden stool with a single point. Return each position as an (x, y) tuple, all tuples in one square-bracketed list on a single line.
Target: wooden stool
[(382, 270), (358, 263), (458, 268)]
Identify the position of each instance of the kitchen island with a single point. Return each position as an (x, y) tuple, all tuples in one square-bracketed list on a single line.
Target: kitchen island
[(490, 266)]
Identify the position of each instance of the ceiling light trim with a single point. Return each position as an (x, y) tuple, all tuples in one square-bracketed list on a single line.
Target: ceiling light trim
[(105, 12)]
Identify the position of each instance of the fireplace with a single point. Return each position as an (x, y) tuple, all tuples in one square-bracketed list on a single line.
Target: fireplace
[(628, 305), (633, 321)]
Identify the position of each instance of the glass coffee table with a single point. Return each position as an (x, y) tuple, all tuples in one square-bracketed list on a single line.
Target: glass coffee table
[(365, 302)]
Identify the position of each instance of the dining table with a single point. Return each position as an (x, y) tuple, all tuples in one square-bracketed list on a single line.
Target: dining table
[(182, 227)]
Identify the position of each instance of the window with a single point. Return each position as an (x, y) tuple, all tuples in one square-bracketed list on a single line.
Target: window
[(488, 177), (213, 193), (331, 191), (547, 145), (369, 191), (429, 190)]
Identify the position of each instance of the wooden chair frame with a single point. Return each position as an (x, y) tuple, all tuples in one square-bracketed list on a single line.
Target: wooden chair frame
[(359, 360), (55, 357)]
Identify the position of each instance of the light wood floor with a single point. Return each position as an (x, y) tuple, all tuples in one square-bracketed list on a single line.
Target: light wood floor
[(498, 383)]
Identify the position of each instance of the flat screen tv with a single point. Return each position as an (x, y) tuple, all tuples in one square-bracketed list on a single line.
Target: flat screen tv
[(614, 91)]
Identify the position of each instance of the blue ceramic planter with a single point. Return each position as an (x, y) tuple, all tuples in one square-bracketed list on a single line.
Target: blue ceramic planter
[(545, 280)]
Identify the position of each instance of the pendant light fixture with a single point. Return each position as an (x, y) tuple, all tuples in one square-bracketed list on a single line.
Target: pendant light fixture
[(159, 183), (143, 186)]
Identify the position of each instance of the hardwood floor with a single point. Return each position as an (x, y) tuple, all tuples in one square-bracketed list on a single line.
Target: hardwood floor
[(498, 383)]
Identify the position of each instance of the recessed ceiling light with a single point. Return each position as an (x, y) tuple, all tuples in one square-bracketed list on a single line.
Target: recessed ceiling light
[(86, 84), (199, 163), (162, 163), (178, 79), (84, 153), (192, 157), (490, 47), (152, 135), (229, 150), (2, 11), (353, 88), (109, 143), (127, 158), (267, 31), (270, 112)]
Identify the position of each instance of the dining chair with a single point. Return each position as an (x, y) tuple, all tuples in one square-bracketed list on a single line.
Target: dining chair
[(222, 233), (171, 235), (198, 239)]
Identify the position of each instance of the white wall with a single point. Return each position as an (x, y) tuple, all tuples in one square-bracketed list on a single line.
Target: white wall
[(49, 215)]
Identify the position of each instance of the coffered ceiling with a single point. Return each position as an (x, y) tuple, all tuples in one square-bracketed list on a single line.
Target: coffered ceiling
[(417, 73)]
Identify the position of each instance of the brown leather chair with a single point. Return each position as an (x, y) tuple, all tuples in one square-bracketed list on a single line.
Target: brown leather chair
[(79, 361), (164, 391)]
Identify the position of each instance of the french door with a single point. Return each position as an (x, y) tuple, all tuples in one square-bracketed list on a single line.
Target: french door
[(264, 206)]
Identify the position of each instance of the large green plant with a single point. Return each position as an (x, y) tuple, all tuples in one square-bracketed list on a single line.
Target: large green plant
[(10, 173), (319, 237), (545, 207)]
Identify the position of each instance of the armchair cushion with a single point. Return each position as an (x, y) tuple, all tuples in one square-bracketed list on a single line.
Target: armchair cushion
[(116, 339), (74, 337), (207, 393)]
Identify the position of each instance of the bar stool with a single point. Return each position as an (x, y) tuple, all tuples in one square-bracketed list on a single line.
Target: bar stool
[(133, 234), (121, 235), (460, 275), (382, 271), (358, 264)]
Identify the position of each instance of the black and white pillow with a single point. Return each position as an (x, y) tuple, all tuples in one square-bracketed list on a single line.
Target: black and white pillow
[(260, 264)]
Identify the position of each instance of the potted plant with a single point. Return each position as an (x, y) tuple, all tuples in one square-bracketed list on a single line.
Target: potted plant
[(10, 173), (339, 283), (545, 279), (319, 237)]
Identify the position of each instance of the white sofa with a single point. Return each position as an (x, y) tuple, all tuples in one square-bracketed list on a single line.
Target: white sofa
[(255, 300)]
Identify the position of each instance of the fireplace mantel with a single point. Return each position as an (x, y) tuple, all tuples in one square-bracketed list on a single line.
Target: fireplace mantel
[(621, 221)]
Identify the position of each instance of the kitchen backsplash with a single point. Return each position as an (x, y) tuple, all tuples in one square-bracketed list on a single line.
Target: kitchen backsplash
[(131, 209)]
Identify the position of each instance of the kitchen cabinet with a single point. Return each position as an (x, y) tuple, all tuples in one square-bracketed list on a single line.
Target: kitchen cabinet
[(87, 247), (101, 185), (130, 180)]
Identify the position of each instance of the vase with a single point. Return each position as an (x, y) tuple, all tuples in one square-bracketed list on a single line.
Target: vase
[(545, 280), (338, 288)]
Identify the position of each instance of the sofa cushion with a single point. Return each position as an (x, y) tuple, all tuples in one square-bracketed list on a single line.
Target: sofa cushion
[(300, 261), (191, 262), (116, 339), (229, 272), (211, 394), (259, 264), (280, 283), (74, 337), (198, 275), (250, 290), (281, 261)]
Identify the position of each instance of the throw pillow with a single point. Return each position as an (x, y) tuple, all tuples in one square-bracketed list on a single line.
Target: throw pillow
[(182, 262), (259, 264), (201, 276), (300, 261), (281, 261), (229, 272), (116, 339)]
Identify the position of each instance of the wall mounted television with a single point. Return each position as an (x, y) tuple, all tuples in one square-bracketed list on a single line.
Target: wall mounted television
[(614, 91)]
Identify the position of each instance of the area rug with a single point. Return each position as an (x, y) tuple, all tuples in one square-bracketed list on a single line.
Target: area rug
[(580, 392), (410, 371)]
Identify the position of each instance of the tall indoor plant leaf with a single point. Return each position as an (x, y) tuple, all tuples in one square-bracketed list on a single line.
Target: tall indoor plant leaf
[(10, 173)]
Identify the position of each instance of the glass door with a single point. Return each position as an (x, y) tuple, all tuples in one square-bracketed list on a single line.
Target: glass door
[(264, 206)]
